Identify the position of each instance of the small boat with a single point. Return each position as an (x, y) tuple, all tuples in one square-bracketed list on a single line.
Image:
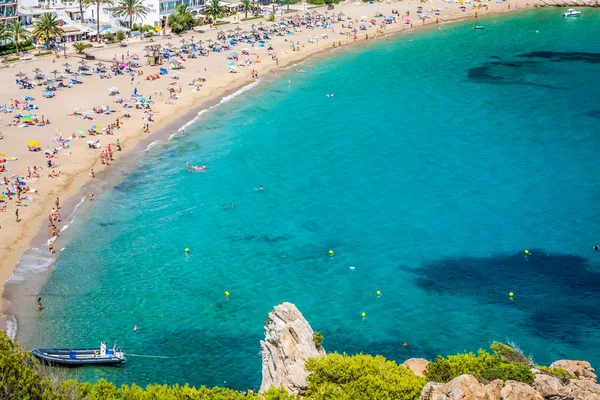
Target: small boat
[(478, 26), (571, 12), (80, 357)]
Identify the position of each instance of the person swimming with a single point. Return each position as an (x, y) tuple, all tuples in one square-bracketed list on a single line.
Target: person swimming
[(330, 95), (596, 247)]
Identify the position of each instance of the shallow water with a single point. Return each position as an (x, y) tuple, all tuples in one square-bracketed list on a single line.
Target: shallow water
[(438, 161)]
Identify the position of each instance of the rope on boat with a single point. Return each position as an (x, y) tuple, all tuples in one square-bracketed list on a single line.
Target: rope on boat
[(147, 356)]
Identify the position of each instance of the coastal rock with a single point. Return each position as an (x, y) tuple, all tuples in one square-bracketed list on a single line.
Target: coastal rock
[(549, 386), (581, 369), (584, 390), (288, 343), (417, 365), (514, 390), (433, 391), (494, 388), (465, 387)]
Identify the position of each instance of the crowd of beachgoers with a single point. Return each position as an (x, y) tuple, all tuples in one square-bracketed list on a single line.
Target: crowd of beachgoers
[(63, 120)]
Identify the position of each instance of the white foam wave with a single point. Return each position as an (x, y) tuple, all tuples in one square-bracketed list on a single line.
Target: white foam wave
[(225, 99), (35, 259), (76, 208), (151, 145), (11, 326)]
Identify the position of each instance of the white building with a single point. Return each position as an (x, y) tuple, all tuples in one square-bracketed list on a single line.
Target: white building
[(8, 11)]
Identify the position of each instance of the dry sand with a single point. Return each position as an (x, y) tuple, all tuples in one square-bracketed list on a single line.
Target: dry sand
[(76, 162)]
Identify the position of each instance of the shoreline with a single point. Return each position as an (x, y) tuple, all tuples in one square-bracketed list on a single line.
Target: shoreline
[(78, 184)]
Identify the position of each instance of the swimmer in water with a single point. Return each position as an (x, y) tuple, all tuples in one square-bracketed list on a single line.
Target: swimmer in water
[(224, 207), (189, 167), (231, 205), (135, 328), (596, 247), (182, 132), (260, 188)]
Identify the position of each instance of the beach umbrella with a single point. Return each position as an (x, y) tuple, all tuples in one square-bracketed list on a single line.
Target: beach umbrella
[(37, 71), (2, 155), (238, 29), (33, 143), (20, 75), (55, 72), (96, 128), (230, 31), (210, 41), (82, 62)]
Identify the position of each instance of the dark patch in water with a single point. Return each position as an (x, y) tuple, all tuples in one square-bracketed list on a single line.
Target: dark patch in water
[(105, 224), (482, 74), (262, 238), (592, 113), (508, 64), (496, 57), (558, 292), (593, 58)]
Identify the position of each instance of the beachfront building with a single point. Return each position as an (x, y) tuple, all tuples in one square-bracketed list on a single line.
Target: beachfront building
[(8, 11)]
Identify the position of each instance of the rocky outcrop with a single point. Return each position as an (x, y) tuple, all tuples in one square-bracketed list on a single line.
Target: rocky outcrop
[(580, 369), (417, 365), (549, 386), (584, 389), (494, 388), (514, 390), (465, 387), (288, 343)]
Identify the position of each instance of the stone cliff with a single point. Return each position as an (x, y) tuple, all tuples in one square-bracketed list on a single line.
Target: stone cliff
[(288, 343)]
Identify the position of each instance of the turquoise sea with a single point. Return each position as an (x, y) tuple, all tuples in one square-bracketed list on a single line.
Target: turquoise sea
[(441, 158)]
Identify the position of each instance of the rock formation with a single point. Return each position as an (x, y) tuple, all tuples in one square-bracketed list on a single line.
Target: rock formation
[(417, 366), (288, 343), (545, 386)]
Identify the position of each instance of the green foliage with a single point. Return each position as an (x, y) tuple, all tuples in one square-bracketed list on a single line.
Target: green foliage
[(484, 366), (134, 9), (213, 9), (271, 18), (221, 23), (559, 373), (358, 377), (43, 53), (318, 339), (17, 32), (18, 379), (278, 394), (511, 354), (47, 27), (181, 20), (80, 47), (12, 59), (10, 47), (120, 36), (250, 18)]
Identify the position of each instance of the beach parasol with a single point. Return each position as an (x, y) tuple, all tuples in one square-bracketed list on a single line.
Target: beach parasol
[(96, 128), (210, 41), (33, 143), (82, 62), (2, 155), (37, 71), (230, 31), (238, 29), (55, 72), (20, 75)]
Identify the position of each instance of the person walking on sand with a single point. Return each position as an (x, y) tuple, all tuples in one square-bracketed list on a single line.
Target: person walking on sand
[(39, 304), (17, 214), (57, 202), (51, 247)]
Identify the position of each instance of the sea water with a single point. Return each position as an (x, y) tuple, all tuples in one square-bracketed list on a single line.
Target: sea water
[(443, 155)]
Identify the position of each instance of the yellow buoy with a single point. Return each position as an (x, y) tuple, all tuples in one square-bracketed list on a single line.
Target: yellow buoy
[(330, 252), (378, 293), (187, 250), (511, 294), (226, 294), (526, 251), (364, 314)]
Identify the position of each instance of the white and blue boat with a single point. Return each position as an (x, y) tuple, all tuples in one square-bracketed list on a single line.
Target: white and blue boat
[(80, 357)]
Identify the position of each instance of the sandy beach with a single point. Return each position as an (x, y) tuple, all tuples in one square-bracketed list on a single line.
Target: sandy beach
[(71, 113)]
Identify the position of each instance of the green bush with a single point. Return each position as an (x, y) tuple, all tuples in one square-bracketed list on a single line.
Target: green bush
[(221, 23), (511, 354), (43, 53), (484, 366), (361, 377), (318, 339), (12, 59), (559, 373)]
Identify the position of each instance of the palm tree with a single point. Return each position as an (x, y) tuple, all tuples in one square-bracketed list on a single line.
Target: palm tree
[(213, 10), (131, 8), (99, 3), (17, 32), (246, 4), (80, 47), (47, 27)]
